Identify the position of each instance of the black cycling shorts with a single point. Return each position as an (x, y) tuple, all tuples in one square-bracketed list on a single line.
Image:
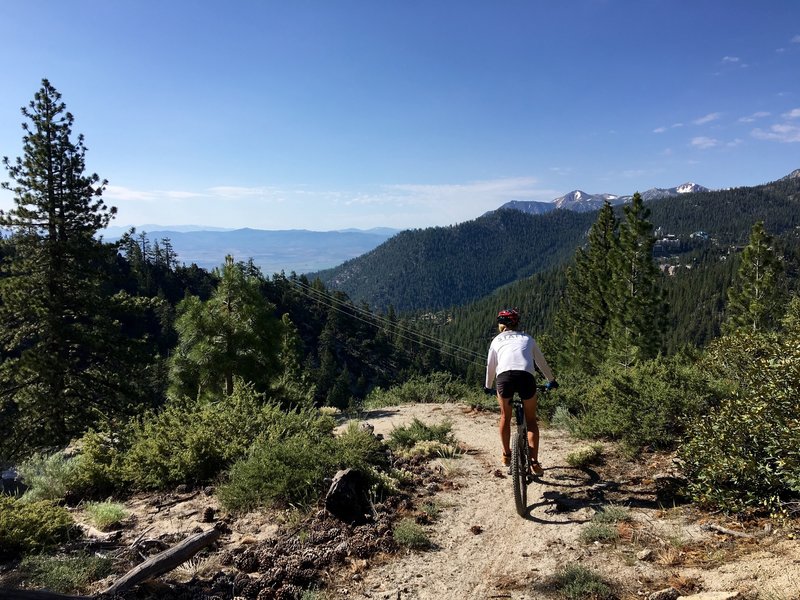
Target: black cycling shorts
[(520, 382)]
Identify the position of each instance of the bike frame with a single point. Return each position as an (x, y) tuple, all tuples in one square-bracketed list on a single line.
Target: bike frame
[(521, 472)]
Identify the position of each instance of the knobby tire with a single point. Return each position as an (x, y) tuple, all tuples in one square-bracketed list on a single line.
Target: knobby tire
[(519, 471)]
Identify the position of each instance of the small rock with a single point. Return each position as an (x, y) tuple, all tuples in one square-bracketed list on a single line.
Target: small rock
[(182, 489), (476, 529), (645, 554), (669, 593)]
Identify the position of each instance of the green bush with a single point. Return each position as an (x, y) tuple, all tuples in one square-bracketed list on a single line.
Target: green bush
[(357, 448), (289, 465), (612, 514), (599, 532), (409, 435), (98, 468), (48, 477), (745, 452), (647, 405), (576, 582), (192, 442), (436, 388), (64, 574), (105, 515), (280, 472), (564, 420), (585, 456), (410, 534), (31, 526)]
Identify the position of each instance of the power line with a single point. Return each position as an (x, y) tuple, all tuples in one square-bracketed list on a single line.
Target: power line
[(389, 327)]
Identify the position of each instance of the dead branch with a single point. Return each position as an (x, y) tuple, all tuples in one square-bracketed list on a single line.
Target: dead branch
[(720, 529), (165, 561)]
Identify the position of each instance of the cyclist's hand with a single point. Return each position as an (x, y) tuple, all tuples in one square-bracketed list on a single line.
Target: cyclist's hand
[(551, 385), (489, 391)]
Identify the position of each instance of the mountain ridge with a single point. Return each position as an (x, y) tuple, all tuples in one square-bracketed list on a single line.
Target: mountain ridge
[(581, 201), (435, 268)]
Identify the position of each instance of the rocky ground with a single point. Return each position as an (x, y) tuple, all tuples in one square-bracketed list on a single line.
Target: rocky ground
[(479, 546)]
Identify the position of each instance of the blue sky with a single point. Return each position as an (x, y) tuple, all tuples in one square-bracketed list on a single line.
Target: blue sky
[(330, 114)]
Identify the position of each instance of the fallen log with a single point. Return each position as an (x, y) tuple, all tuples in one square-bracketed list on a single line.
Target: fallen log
[(165, 561)]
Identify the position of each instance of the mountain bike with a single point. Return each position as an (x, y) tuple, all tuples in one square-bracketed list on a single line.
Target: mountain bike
[(520, 470)]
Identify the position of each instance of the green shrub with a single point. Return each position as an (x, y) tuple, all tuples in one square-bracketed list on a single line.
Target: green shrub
[(408, 436), (432, 389), (192, 442), (647, 405), (31, 526), (564, 420), (48, 477), (410, 534), (282, 472), (743, 454), (357, 448), (576, 582), (105, 515), (599, 532), (585, 456), (64, 574), (612, 514), (432, 510), (98, 468)]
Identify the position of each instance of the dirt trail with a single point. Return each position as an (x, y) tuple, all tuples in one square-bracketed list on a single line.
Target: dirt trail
[(483, 549)]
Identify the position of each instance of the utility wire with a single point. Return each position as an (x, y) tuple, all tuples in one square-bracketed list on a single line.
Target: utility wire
[(365, 316), (388, 323)]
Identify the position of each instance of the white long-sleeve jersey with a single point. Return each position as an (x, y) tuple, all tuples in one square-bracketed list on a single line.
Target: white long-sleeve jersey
[(515, 351)]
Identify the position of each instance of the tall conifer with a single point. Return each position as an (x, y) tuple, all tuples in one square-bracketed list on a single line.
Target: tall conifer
[(584, 313), (755, 300), (54, 377), (636, 299)]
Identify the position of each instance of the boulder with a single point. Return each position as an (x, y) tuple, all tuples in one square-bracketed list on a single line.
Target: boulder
[(347, 497), (11, 484)]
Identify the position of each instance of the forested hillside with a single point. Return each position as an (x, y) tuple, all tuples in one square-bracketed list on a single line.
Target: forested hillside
[(439, 267), (445, 266)]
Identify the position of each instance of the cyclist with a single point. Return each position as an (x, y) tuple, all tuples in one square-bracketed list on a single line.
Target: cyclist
[(513, 359)]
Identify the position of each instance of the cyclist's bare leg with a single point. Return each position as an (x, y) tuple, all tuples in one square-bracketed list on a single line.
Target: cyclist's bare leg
[(505, 423), (531, 408)]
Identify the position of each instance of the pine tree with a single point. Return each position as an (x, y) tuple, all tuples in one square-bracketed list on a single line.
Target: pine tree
[(584, 315), (756, 298), (636, 300), (56, 376), (233, 334)]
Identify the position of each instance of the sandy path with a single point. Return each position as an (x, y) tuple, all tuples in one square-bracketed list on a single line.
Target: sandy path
[(510, 552)]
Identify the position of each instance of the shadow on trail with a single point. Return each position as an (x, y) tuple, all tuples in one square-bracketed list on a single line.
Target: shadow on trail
[(378, 413), (571, 489)]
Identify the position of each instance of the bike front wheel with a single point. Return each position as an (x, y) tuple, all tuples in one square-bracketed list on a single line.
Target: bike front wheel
[(519, 471)]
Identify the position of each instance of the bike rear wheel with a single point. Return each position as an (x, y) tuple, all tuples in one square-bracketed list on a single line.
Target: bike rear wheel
[(519, 471)]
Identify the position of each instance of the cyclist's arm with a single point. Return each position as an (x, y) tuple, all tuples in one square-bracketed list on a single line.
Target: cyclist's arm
[(491, 367)]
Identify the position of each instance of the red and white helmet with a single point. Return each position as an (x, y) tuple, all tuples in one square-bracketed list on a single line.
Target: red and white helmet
[(509, 317)]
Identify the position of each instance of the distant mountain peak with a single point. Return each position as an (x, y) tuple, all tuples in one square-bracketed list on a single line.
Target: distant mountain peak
[(581, 201), (690, 188), (793, 175)]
